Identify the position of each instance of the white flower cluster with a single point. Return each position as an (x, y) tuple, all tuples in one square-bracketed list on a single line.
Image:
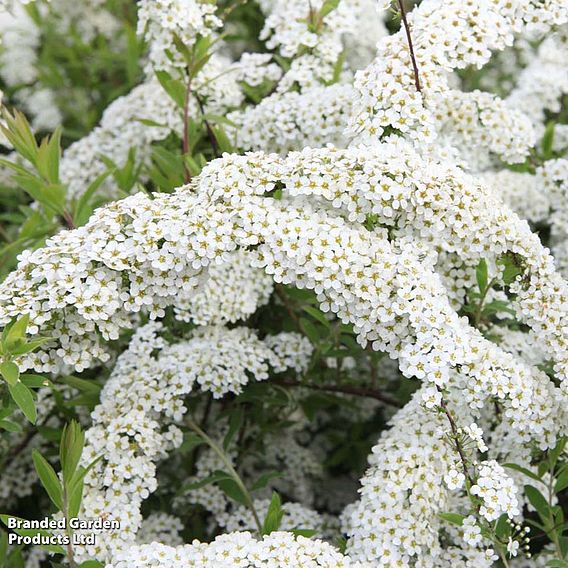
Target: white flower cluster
[(411, 318), (279, 549), (160, 21), (160, 527), (255, 68), (481, 125), (20, 39), (294, 351), (523, 192), (139, 253), (496, 490), (233, 291), (120, 130), (475, 433), (446, 35), (541, 85), (294, 120), (396, 522), (148, 383), (296, 30)]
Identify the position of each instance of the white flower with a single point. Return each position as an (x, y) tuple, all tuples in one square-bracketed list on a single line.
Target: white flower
[(454, 479)]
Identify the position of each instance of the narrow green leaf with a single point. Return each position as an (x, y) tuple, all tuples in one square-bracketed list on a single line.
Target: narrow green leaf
[(232, 490), (548, 141), (537, 500), (55, 549), (453, 518), (70, 450), (23, 397), (48, 479), (557, 564), (3, 547), (17, 332), (481, 276), (274, 515), (310, 330), (83, 385), (327, 7), (524, 470), (235, 423), (561, 482), (213, 478), (9, 370), (318, 315), (264, 479), (10, 426)]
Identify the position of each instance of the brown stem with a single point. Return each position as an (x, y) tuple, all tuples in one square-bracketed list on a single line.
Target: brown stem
[(410, 45), (68, 220), (345, 389), (185, 141), (456, 438), (210, 133)]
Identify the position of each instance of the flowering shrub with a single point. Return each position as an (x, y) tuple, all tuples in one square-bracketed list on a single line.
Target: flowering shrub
[(283, 283)]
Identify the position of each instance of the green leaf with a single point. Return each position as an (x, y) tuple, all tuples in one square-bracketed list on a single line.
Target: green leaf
[(190, 442), (9, 370), (524, 470), (70, 450), (548, 141), (537, 500), (481, 276), (29, 346), (318, 315), (91, 564), (84, 206), (306, 533), (327, 7), (48, 479), (10, 426), (213, 478), (23, 397), (75, 498), (502, 527), (453, 518), (274, 515), (55, 549), (173, 87), (310, 330), (511, 270), (557, 564), (82, 384), (235, 423), (34, 381), (17, 332), (264, 479), (561, 482), (232, 490)]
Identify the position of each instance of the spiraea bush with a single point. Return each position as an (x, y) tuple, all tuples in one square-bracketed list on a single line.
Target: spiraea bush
[(284, 283)]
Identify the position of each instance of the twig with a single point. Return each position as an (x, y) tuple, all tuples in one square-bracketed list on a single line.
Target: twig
[(345, 389), (186, 131), (210, 133), (410, 45), (456, 438), (230, 469), (68, 220)]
